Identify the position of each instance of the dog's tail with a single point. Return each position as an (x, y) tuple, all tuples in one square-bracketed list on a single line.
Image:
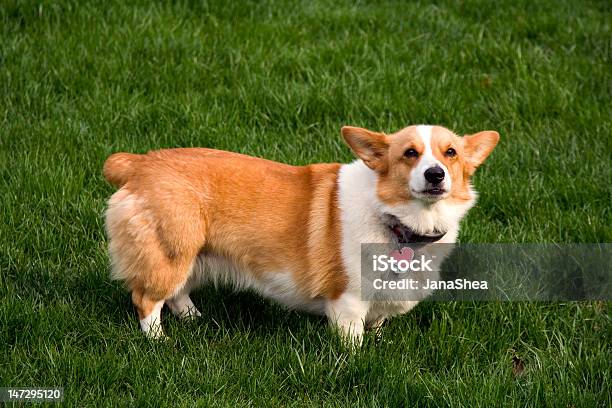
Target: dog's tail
[(118, 167)]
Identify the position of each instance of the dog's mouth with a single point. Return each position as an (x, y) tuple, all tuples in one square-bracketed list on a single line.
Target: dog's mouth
[(432, 192)]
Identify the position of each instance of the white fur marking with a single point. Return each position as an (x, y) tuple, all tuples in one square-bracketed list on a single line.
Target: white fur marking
[(425, 132), (182, 306), (418, 183), (277, 285), (348, 314), (151, 325), (360, 219)]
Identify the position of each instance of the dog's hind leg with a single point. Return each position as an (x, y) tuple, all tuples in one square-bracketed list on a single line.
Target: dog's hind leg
[(149, 313), (154, 263), (155, 287), (181, 305)]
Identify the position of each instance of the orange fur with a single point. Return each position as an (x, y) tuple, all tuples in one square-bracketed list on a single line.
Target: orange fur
[(265, 216), (117, 168)]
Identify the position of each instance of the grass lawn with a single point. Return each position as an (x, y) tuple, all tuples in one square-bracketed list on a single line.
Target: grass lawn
[(80, 80)]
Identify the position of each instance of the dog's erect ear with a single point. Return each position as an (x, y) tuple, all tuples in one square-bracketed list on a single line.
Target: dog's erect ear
[(371, 147), (477, 147)]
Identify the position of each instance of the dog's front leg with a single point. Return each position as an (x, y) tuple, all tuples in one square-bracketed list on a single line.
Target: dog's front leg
[(347, 313)]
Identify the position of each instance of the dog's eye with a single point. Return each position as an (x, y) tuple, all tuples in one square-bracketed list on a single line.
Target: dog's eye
[(451, 152), (411, 153)]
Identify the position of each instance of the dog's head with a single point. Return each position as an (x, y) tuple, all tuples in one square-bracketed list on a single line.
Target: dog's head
[(427, 163)]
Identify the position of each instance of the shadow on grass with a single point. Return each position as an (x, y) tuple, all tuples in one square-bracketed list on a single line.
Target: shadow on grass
[(245, 311), (225, 312)]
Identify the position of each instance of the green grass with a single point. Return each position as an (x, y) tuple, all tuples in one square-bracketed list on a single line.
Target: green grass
[(81, 80)]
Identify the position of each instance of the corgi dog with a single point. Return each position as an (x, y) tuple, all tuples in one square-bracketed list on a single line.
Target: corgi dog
[(187, 217)]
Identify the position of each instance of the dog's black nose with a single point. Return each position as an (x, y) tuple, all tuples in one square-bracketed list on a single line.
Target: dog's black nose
[(434, 175)]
